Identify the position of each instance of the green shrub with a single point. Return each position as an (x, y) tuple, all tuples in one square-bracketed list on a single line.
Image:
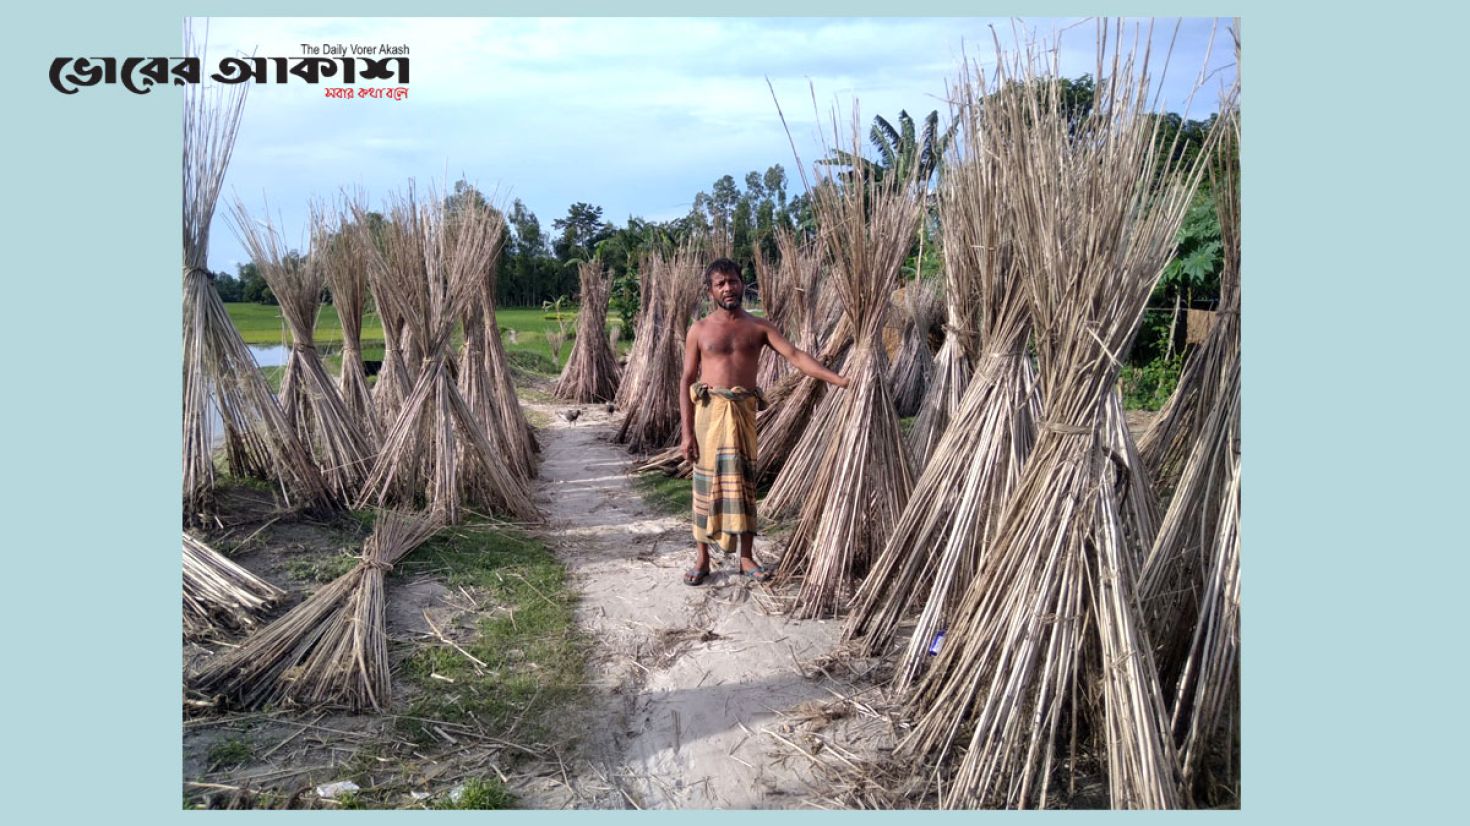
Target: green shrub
[(1150, 386), (481, 794)]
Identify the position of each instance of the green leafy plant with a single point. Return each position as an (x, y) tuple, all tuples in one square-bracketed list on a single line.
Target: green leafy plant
[(625, 299), (231, 752), (481, 794), (1197, 262), (1149, 386)]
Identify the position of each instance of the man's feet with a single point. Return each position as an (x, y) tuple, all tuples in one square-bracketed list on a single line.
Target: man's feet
[(749, 567), (696, 576)]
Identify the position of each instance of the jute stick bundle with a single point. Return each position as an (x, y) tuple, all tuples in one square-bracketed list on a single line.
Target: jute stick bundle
[(1208, 692), (516, 432), (935, 551), (310, 399), (219, 594), (912, 371), (1051, 646), (775, 294), (644, 337), (392, 252), (592, 371), (1169, 440), (863, 479), (330, 650), (1190, 582), (652, 402), (476, 387), (789, 288), (344, 262), (794, 432), (802, 259), (976, 241), (217, 363), (789, 431), (483, 392), (435, 427)]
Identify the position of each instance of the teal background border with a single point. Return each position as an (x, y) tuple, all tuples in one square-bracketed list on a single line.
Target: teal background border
[(1354, 445)]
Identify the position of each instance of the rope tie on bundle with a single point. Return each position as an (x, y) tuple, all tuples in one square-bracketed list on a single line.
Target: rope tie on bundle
[(968, 336), (376, 565), (1067, 429)]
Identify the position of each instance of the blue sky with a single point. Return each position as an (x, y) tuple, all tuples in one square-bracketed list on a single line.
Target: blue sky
[(635, 115)]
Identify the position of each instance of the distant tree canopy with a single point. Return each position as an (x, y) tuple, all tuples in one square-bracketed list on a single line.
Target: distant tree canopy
[(744, 221), (902, 152), (246, 285)]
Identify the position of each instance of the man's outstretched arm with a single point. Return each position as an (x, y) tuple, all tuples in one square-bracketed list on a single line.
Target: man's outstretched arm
[(686, 405), (799, 359)]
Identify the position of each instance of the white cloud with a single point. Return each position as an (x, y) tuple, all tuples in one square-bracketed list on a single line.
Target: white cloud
[(634, 114)]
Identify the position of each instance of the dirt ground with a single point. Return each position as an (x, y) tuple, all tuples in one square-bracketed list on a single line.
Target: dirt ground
[(697, 686)]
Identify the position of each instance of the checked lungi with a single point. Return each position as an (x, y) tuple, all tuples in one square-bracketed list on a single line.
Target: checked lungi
[(724, 475)]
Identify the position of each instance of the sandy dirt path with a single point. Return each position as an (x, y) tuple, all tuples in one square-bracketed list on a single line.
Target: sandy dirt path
[(691, 683)]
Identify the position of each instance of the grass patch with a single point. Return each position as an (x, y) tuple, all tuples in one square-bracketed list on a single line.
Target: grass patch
[(262, 324), (273, 376), (667, 494), (536, 418), (535, 394), (535, 362), (535, 660), (320, 570), (531, 325), (231, 752), (480, 794)]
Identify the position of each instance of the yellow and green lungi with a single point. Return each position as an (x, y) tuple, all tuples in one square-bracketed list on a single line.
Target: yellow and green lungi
[(724, 475)]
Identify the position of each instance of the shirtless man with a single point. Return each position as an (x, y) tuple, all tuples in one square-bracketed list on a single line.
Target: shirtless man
[(717, 407)]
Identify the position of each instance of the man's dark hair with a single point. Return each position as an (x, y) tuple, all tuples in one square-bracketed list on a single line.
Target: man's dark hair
[(724, 266)]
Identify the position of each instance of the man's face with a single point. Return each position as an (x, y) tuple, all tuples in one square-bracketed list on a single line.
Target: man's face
[(726, 290)]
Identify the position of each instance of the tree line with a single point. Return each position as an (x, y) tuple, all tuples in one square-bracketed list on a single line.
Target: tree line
[(741, 217)]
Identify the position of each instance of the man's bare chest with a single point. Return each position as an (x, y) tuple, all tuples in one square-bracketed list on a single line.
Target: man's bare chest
[(731, 340)]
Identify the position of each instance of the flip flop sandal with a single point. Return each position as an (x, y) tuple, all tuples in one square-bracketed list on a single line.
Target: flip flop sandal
[(759, 573), (694, 576)]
